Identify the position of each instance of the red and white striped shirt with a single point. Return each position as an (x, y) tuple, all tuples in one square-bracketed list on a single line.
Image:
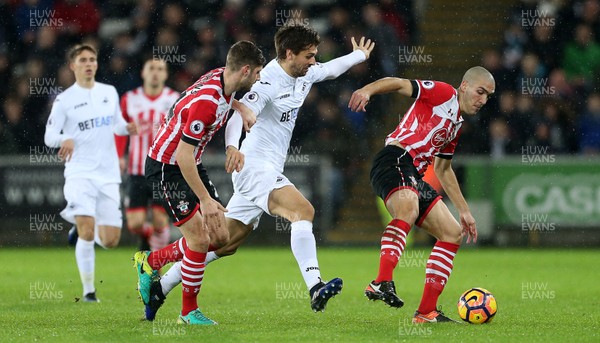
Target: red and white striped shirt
[(148, 113), (431, 125), (200, 112)]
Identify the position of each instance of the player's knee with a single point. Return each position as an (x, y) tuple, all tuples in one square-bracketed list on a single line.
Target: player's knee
[(220, 239), (135, 226), (452, 235), (110, 243), (409, 213), (305, 212), (85, 233)]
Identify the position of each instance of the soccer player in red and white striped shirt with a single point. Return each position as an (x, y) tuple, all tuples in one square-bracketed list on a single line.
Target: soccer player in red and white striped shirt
[(174, 168), (146, 105), (428, 133)]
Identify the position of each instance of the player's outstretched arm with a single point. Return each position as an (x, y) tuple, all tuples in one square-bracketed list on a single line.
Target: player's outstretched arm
[(445, 173), (340, 65), (360, 98)]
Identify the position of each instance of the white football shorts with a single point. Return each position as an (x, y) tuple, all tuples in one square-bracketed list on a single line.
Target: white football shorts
[(251, 189), (87, 197)]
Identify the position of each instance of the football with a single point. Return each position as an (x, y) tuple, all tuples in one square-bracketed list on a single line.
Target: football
[(477, 306)]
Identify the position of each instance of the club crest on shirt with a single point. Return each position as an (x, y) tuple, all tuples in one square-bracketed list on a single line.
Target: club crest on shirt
[(428, 84), (252, 96), (438, 138), (196, 127), (183, 207)]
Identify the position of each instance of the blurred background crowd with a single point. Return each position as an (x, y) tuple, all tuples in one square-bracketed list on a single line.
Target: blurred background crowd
[(547, 72)]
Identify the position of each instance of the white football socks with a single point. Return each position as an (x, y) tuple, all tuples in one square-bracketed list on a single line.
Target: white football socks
[(304, 248), (171, 278), (211, 256), (86, 258)]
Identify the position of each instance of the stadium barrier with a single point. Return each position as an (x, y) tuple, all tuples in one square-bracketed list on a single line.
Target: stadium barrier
[(547, 200), (32, 198)]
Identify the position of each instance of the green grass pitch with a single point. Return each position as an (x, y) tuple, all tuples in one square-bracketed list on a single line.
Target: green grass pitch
[(258, 296)]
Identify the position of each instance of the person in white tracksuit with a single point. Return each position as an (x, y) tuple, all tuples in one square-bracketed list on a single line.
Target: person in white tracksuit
[(82, 123)]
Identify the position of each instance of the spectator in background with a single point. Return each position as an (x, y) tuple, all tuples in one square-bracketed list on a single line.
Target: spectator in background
[(531, 74), (544, 44), (16, 125), (521, 121), (118, 73), (589, 126), (31, 12), (557, 81), (5, 72), (500, 139), (582, 58), (331, 139), (47, 46), (505, 78), (397, 20), (79, 18), (338, 22), (553, 128), (173, 18), (514, 41), (590, 15), (385, 57)]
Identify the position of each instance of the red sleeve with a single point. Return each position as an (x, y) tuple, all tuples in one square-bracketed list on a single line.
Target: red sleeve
[(435, 92), (121, 141), (201, 114)]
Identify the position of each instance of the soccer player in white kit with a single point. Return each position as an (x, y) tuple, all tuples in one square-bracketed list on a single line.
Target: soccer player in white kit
[(261, 186), (83, 121), (145, 105)]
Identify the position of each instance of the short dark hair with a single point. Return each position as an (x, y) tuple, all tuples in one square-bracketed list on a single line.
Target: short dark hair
[(78, 49), (295, 37), (151, 58), (243, 53)]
